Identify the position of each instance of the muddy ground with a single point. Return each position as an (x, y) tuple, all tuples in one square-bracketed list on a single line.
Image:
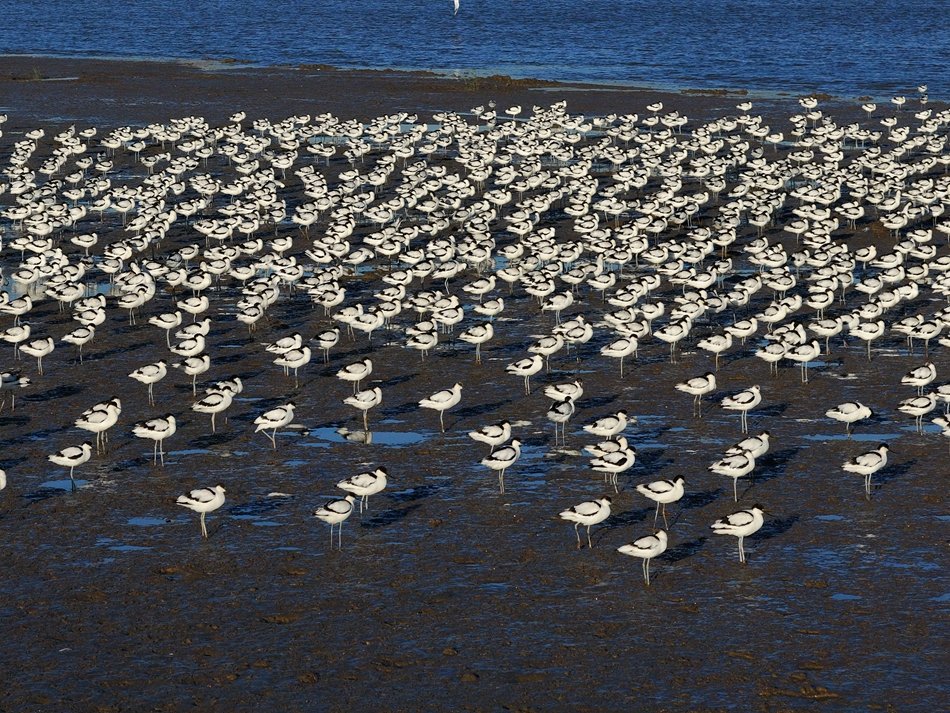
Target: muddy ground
[(448, 595)]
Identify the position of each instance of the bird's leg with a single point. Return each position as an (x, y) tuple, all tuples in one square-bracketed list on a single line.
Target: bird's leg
[(741, 551), (365, 425), (590, 545), (204, 529), (657, 513), (665, 523), (442, 422), (735, 488), (578, 535), (339, 537)]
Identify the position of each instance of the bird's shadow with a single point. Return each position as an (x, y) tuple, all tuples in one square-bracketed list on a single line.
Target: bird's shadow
[(684, 550), (58, 392), (774, 528), (479, 409), (699, 499), (388, 517), (417, 493), (597, 401), (892, 472)]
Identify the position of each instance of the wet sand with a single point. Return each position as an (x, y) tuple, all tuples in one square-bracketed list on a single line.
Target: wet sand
[(448, 595)]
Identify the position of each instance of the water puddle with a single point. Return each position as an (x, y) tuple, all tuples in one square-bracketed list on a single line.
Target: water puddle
[(115, 546), (877, 437), (384, 438), (845, 597), (147, 521), (64, 484)]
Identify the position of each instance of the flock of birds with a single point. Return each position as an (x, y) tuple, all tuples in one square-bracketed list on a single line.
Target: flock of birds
[(641, 226)]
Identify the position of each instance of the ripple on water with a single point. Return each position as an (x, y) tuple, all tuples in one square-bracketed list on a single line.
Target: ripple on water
[(147, 521), (384, 438)]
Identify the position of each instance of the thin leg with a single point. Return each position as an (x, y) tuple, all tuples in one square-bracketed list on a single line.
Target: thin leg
[(741, 551), (441, 421), (204, 529), (578, 535), (735, 488), (657, 513), (590, 544), (666, 525)]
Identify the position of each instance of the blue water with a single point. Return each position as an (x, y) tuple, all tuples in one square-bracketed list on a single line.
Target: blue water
[(878, 47)]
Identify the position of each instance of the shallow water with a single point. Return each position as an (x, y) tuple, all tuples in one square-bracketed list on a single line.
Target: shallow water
[(758, 45)]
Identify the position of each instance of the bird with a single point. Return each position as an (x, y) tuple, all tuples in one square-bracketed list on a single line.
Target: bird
[(493, 435), (456, 4), (757, 446), (13, 382), (588, 513), (609, 426), (560, 413), (273, 419), (356, 372), (478, 335), (918, 407), (364, 401), (527, 368), (502, 459), (646, 548), (743, 401), (214, 403), (99, 419), (740, 524), (614, 463), (365, 484), (920, 377), (334, 513), (663, 492), (562, 392), (203, 500), (867, 464), (848, 413), (443, 400), (150, 374), (157, 429), (38, 348), (804, 353), (294, 359), (698, 386), (71, 457), (735, 466), (193, 366)]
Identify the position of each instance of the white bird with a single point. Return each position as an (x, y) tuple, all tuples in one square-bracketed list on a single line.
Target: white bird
[(364, 401), (867, 464), (443, 400), (99, 419), (13, 382), (614, 463), (478, 335), (326, 340), (744, 401), (562, 392), (194, 366), (294, 359), (646, 548), (740, 524), (609, 426), (38, 348), (203, 500), (356, 372), (698, 386), (527, 368), (587, 514), (663, 492), (365, 484), (334, 513), (273, 419), (502, 459), (920, 377), (848, 413), (150, 374), (456, 4), (157, 429), (71, 457), (214, 403), (493, 435), (918, 407), (560, 413), (757, 446), (735, 466)]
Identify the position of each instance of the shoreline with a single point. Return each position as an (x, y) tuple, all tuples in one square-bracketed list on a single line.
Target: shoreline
[(222, 85)]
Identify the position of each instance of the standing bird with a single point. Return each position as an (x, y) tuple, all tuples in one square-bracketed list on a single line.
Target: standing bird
[(848, 413), (158, 429), (13, 382), (867, 464), (646, 548), (356, 372), (478, 335), (38, 348), (334, 513), (740, 524), (214, 403), (698, 386), (442, 401), (274, 419), (150, 374), (526, 368), (99, 419), (587, 513), (744, 401), (364, 401), (493, 435), (71, 457), (609, 426), (663, 492), (365, 484), (502, 459), (203, 500), (735, 466), (560, 413)]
